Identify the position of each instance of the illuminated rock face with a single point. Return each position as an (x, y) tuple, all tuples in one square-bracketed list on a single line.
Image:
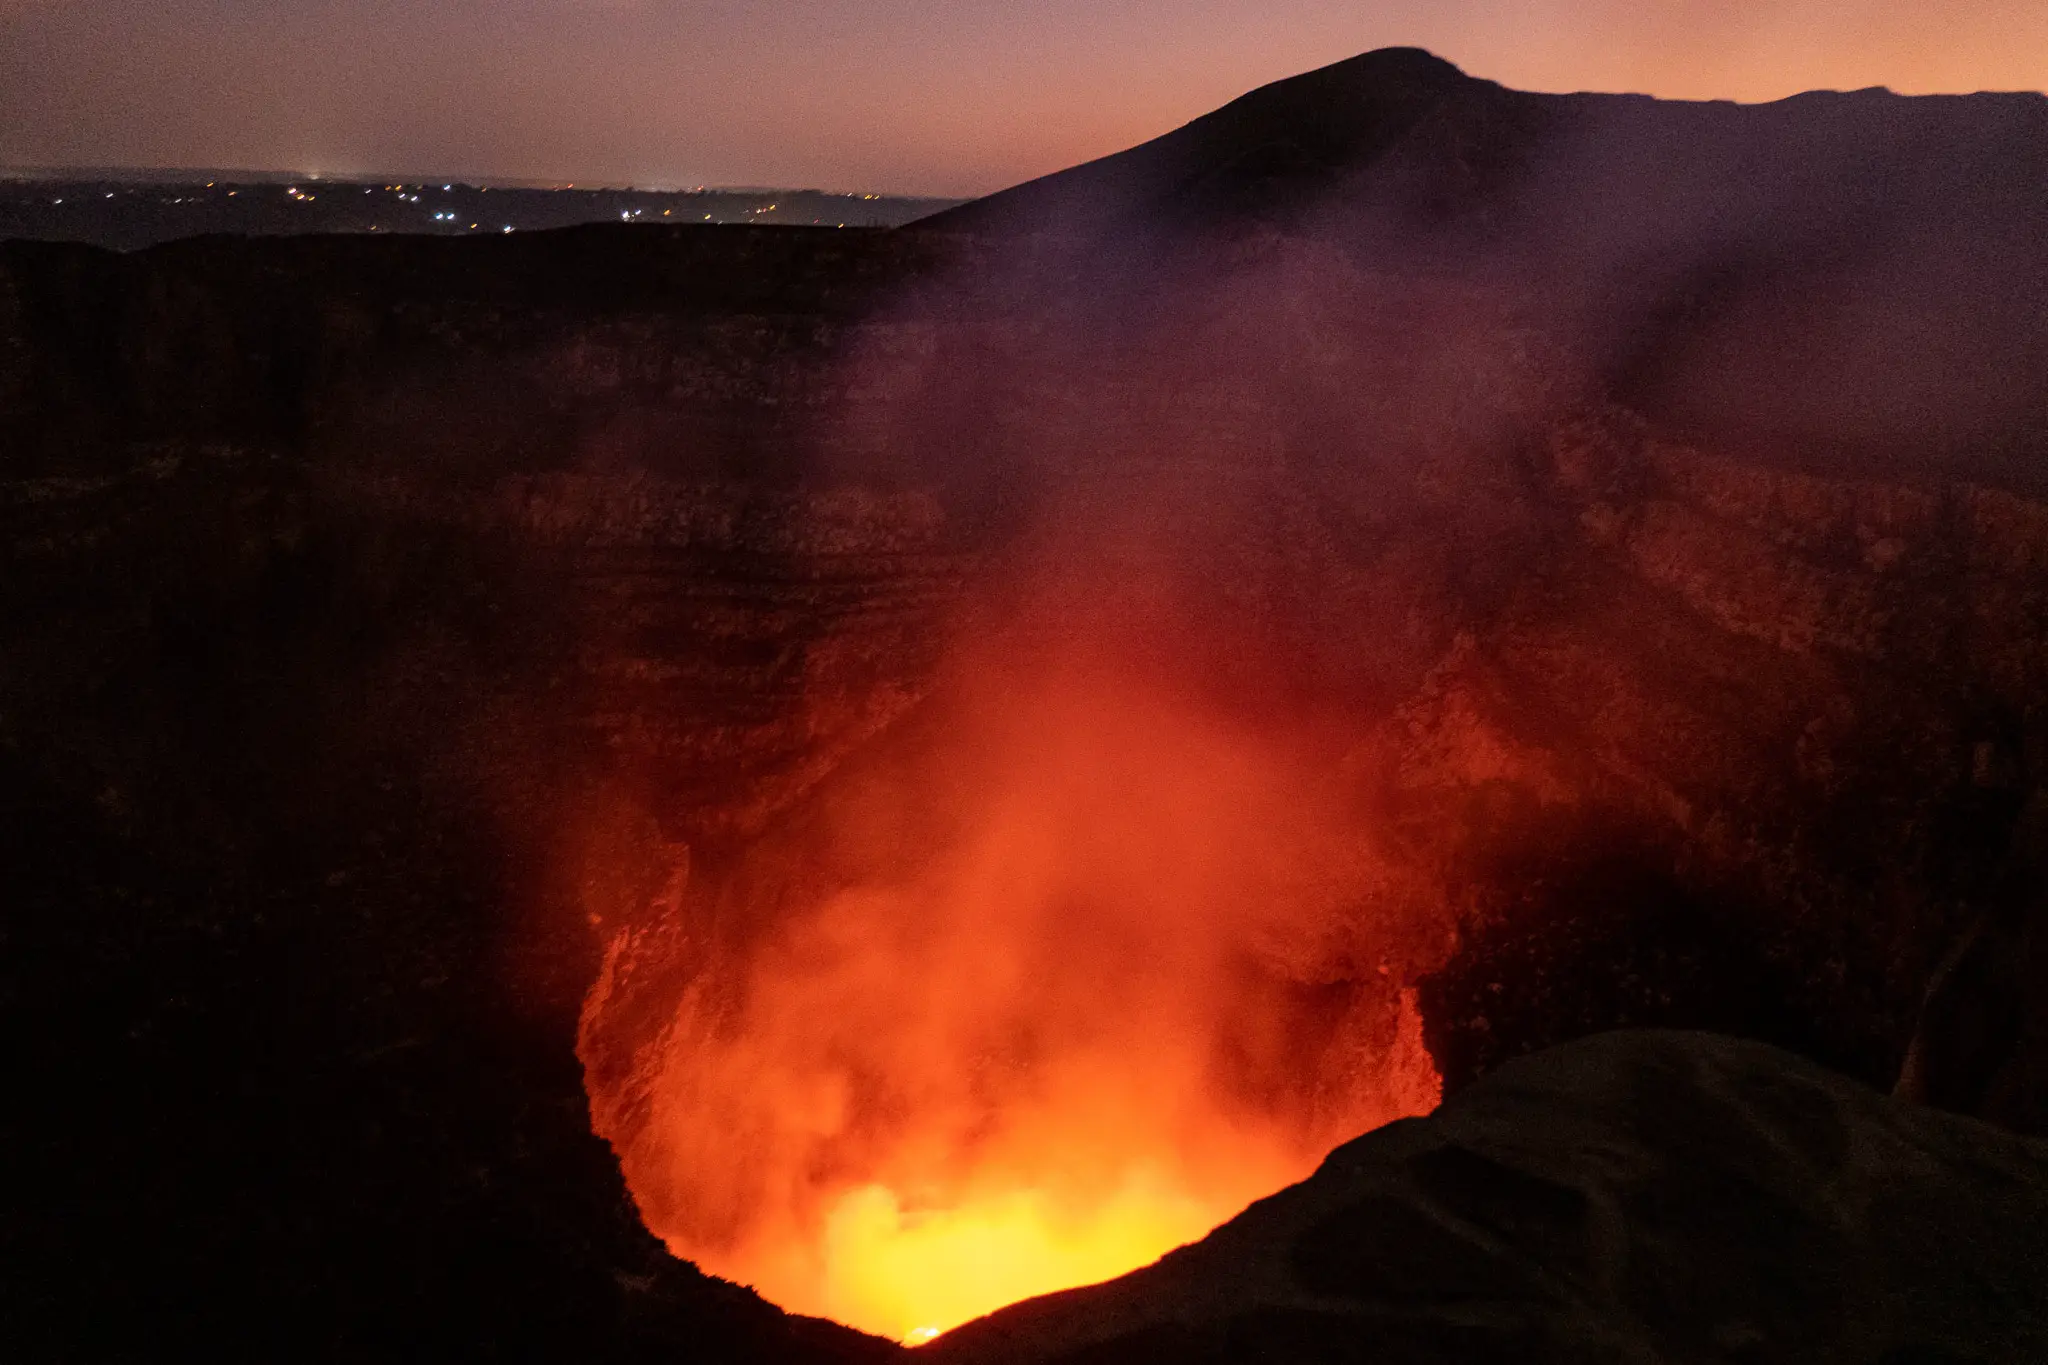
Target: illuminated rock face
[(1645, 781), (1062, 971)]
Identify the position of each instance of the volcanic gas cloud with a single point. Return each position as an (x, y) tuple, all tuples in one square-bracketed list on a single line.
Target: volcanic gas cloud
[(1086, 954), (1110, 933)]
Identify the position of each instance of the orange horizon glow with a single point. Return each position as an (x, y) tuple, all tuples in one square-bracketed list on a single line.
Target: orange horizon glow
[(879, 96)]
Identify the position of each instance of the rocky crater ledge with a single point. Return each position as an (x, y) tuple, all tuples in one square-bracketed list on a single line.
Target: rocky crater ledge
[(1640, 1196)]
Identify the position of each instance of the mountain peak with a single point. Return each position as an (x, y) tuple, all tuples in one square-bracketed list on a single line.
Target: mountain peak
[(1383, 78), (1294, 132), (1410, 65)]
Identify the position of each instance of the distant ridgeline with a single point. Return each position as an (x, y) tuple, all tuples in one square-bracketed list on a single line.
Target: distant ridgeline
[(126, 210)]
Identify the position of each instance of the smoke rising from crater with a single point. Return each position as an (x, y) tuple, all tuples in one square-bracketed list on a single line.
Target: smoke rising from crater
[(1273, 486)]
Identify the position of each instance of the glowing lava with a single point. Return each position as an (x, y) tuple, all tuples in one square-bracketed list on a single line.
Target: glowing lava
[(1074, 975), (888, 1267)]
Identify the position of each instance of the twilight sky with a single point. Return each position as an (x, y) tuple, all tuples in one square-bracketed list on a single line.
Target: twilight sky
[(910, 96)]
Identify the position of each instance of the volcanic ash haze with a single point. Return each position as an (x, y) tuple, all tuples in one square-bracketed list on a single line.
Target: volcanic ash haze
[(1116, 926), (1103, 938), (1091, 950)]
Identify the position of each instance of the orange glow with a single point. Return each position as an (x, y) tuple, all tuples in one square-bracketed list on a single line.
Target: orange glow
[(1071, 973), (887, 1267)]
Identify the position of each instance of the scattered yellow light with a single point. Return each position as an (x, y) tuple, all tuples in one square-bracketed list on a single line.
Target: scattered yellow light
[(914, 1273)]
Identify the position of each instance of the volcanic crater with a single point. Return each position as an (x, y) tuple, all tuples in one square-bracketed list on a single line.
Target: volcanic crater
[(913, 769)]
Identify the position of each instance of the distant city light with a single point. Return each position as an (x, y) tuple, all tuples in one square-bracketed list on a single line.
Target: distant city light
[(595, 204)]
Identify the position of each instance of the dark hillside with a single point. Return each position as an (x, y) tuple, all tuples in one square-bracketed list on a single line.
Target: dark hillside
[(1855, 269)]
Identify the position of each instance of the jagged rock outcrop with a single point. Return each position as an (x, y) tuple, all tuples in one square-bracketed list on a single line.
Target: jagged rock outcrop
[(1638, 1196), (1840, 720)]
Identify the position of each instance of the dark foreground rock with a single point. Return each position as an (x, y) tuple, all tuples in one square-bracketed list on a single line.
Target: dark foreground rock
[(1639, 1196)]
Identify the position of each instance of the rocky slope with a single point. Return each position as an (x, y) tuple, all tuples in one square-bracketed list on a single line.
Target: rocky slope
[(1845, 268), (1635, 1197)]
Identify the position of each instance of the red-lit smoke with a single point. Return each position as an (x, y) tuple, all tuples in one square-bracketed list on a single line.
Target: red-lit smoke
[(1104, 937), (1080, 975)]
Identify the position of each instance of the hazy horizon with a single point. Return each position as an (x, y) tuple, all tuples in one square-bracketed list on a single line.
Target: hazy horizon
[(880, 96), (280, 175)]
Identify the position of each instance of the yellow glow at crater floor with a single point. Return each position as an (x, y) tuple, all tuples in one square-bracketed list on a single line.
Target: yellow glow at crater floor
[(914, 1274)]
